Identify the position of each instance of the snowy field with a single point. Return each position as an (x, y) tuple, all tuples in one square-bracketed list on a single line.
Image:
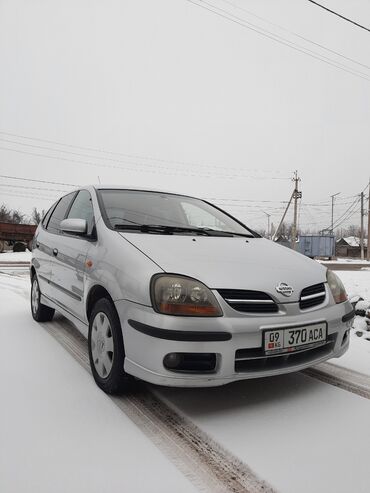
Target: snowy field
[(356, 282), (15, 256), (358, 356), (346, 260), (295, 432)]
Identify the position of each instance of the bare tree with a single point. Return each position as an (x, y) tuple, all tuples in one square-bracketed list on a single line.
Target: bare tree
[(4, 213), (11, 216), (37, 216)]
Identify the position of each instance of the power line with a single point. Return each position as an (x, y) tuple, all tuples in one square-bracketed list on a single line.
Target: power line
[(339, 15), (38, 181), (274, 37), (296, 34), (107, 152), (215, 200), (348, 217), (88, 163), (245, 200), (320, 206), (339, 220), (140, 169), (39, 197), (9, 185), (240, 203), (349, 210)]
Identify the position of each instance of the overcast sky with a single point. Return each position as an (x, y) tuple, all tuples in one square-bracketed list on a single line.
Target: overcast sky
[(186, 100)]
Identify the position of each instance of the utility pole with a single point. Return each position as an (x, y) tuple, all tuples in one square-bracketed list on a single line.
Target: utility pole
[(268, 224), (296, 195), (282, 219), (368, 224), (362, 227), (332, 211)]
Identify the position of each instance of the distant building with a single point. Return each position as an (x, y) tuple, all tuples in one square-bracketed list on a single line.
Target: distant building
[(317, 246), (311, 245), (350, 247)]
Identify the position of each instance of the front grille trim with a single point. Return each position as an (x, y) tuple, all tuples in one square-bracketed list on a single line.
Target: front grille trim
[(312, 296), (248, 301)]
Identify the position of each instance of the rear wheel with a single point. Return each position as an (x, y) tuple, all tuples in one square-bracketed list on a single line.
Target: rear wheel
[(106, 350), (40, 312)]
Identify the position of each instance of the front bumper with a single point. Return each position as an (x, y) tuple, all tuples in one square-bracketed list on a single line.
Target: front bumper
[(150, 336)]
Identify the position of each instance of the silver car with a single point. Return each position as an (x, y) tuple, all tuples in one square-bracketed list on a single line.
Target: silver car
[(172, 290)]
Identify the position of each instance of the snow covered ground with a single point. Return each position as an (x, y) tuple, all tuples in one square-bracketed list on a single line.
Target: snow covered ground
[(357, 357), (58, 431), (297, 433), (15, 256), (346, 260), (356, 282)]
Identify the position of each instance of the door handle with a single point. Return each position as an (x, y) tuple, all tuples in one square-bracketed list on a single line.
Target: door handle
[(55, 252), (37, 244)]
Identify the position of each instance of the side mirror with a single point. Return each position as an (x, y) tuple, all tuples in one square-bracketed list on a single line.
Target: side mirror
[(74, 226)]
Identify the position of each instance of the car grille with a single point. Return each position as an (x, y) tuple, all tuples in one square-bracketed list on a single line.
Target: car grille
[(253, 360), (312, 296), (249, 301)]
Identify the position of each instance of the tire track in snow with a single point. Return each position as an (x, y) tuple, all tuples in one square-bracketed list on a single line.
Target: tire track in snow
[(208, 466), (211, 468), (348, 380)]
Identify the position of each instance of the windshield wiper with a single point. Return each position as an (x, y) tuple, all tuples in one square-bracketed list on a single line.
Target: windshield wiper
[(227, 233), (159, 228), (162, 229)]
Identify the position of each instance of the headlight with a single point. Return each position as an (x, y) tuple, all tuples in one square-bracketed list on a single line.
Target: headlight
[(178, 295), (336, 287)]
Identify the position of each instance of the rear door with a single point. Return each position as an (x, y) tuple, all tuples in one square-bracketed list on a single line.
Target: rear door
[(41, 253), (69, 257)]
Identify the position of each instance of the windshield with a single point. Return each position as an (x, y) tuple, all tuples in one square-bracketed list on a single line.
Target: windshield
[(126, 209)]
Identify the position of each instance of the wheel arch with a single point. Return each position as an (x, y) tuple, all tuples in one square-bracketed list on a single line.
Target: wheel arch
[(96, 293)]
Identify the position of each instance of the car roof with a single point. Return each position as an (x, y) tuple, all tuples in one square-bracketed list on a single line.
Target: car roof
[(101, 186)]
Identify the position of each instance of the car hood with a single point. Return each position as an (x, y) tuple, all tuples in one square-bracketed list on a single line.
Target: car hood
[(232, 262)]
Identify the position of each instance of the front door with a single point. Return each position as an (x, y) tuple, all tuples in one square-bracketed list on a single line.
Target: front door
[(69, 258), (67, 277)]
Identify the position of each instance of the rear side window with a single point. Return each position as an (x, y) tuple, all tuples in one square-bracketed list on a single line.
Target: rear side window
[(59, 213), (82, 208), (47, 216)]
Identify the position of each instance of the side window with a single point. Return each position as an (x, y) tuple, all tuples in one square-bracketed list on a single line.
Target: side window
[(46, 218), (59, 213), (82, 208)]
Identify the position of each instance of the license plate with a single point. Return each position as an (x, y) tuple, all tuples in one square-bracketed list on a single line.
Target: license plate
[(294, 338)]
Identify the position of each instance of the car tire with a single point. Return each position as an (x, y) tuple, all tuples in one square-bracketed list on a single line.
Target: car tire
[(106, 349), (40, 312)]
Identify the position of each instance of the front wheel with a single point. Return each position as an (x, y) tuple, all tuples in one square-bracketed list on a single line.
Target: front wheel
[(40, 312), (106, 350)]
